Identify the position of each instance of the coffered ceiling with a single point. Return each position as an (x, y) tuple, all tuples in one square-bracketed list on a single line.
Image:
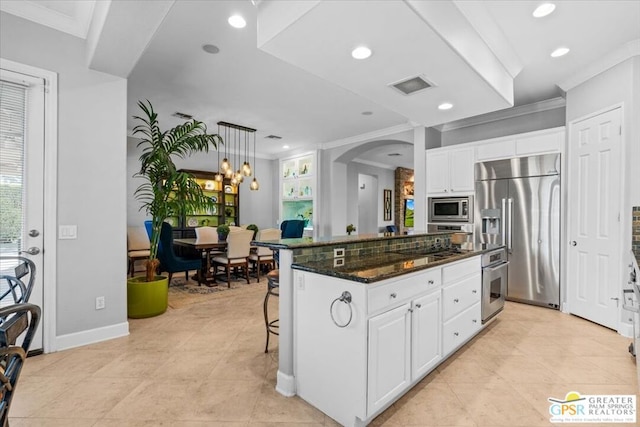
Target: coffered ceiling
[(290, 73)]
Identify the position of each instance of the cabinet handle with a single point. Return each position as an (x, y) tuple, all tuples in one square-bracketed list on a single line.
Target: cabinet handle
[(456, 334), (418, 305), (452, 190), (446, 191), (475, 321), (393, 295), (456, 300), (411, 310), (431, 282), (474, 291)]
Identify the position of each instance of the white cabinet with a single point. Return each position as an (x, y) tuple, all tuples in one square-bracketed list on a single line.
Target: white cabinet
[(450, 171), (521, 145), (389, 356), (426, 349), (461, 311)]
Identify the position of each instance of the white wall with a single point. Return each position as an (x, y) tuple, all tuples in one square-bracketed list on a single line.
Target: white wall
[(384, 179), (368, 204), (618, 85), (256, 207), (92, 176), (527, 123)]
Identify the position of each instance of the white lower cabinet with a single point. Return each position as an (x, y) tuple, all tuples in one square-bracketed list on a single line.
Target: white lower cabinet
[(462, 327), (389, 356), (426, 350)]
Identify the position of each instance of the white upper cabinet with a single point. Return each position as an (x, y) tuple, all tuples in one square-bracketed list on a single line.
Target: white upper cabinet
[(450, 171), (525, 144)]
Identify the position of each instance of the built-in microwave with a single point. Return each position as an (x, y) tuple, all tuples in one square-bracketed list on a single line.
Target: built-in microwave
[(451, 209)]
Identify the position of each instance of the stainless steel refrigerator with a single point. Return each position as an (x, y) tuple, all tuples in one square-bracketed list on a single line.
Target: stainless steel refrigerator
[(518, 204)]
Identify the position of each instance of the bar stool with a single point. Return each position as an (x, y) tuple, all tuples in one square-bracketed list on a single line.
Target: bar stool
[(273, 287)]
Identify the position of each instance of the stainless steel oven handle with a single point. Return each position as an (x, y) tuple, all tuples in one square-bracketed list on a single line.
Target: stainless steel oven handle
[(495, 267)]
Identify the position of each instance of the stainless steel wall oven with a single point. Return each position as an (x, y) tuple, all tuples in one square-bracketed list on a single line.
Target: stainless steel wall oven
[(494, 282)]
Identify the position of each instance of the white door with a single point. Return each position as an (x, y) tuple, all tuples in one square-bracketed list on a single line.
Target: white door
[(389, 356), (426, 338), (21, 177), (593, 212)]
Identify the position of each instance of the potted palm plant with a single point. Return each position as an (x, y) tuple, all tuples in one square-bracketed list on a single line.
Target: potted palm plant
[(165, 192)]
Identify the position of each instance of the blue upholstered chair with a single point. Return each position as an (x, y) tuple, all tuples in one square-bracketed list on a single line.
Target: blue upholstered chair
[(292, 228), (169, 261), (392, 229)]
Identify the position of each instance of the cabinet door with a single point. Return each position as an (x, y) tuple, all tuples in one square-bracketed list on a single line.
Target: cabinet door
[(438, 172), (459, 329), (461, 170), (389, 357), (425, 334)]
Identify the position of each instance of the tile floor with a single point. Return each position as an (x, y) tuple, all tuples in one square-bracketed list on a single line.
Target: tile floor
[(204, 365)]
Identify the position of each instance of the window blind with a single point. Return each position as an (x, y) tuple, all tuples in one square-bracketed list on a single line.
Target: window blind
[(12, 138)]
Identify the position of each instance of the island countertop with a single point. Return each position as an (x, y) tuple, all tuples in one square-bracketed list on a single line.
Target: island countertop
[(311, 242), (390, 264)]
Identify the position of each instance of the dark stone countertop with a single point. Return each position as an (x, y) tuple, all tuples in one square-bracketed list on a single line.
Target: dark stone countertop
[(311, 242), (388, 265)]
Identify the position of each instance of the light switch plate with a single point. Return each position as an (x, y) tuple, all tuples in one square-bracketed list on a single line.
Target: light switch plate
[(338, 252), (67, 232), (338, 262)]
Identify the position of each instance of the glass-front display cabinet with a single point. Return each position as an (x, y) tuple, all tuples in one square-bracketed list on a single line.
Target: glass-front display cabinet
[(226, 209), (298, 187)]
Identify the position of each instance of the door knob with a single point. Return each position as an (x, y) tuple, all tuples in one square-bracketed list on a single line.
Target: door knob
[(573, 243), (31, 251), (34, 233)]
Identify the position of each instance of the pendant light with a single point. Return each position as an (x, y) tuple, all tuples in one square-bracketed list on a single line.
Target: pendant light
[(218, 176), (234, 154), (254, 186)]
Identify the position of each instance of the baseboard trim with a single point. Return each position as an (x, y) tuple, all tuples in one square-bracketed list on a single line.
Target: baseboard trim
[(285, 384), (92, 336), (625, 329)]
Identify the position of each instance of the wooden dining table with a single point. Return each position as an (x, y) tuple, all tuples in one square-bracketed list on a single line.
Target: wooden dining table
[(204, 246)]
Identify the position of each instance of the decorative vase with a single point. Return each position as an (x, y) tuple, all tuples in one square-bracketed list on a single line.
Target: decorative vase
[(147, 299), (222, 237)]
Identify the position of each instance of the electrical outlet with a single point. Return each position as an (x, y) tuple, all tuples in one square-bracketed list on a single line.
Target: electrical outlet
[(338, 262), (338, 252), (100, 304)]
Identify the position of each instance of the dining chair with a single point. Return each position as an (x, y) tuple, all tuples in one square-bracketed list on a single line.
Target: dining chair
[(237, 254), (12, 357), (169, 261), (292, 228), (137, 246), (263, 255), (17, 286)]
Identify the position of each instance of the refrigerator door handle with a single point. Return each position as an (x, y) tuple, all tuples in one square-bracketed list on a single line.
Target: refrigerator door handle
[(504, 221), (510, 227)]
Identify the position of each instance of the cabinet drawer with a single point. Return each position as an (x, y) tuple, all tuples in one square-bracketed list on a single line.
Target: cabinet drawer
[(386, 295), (458, 297), (459, 329), (454, 272)]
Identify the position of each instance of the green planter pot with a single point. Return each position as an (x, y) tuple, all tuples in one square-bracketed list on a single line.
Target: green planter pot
[(147, 299)]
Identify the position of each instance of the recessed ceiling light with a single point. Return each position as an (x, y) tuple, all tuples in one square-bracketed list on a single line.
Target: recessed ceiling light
[(285, 146), (237, 21), (361, 52), (367, 113), (561, 51), (544, 9), (212, 49), (445, 106)]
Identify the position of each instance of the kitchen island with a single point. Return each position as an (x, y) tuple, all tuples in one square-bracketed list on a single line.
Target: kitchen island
[(359, 330)]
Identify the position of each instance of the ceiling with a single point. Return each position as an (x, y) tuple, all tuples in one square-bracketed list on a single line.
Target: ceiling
[(305, 87)]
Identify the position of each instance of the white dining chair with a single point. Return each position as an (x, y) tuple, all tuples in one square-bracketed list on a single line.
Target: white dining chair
[(263, 255), (237, 254)]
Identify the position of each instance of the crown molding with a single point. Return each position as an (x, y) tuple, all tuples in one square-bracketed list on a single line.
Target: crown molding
[(522, 110), (621, 54), (377, 134)]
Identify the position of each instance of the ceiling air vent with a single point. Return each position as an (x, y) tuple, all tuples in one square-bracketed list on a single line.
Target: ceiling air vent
[(273, 137), (182, 115), (412, 85)]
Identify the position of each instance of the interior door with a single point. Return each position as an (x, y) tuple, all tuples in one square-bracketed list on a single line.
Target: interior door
[(594, 202), (21, 177)]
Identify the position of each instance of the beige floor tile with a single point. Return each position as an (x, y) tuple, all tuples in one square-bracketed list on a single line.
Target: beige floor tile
[(519, 369), (433, 404), (466, 370), (34, 364), (133, 365), (273, 407), (90, 398), (223, 400), (577, 370), (80, 362), (166, 423), (52, 422), (242, 365), (497, 404), (34, 392)]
